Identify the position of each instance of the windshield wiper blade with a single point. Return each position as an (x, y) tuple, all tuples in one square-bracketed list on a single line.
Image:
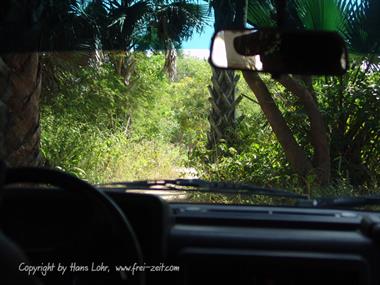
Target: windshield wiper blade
[(341, 202), (200, 185)]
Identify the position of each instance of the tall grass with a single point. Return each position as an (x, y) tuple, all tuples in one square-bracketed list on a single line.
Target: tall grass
[(102, 156)]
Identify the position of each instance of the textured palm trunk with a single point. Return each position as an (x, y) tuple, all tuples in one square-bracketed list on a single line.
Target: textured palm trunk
[(20, 88), (170, 67), (222, 116), (228, 14)]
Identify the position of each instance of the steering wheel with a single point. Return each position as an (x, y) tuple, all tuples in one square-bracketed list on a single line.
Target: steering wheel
[(127, 242)]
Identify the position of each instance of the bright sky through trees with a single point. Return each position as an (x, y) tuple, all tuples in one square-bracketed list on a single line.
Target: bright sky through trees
[(199, 45)]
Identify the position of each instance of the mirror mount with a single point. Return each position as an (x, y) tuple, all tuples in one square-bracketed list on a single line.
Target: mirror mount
[(281, 12)]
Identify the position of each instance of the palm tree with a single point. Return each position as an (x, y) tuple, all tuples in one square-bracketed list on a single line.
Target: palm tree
[(142, 25), (345, 16), (21, 76), (108, 25), (20, 88), (168, 25), (228, 14)]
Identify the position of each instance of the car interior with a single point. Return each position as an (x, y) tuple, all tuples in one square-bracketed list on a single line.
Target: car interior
[(209, 243), (73, 232)]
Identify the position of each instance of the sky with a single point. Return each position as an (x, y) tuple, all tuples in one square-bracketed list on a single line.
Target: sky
[(200, 41), (199, 45)]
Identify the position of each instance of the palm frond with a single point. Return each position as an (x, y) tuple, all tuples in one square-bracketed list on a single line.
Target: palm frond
[(261, 13), (173, 22), (326, 15), (364, 28)]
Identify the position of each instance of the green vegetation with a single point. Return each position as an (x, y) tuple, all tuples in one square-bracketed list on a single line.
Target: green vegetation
[(351, 110), (315, 143), (102, 129), (97, 127), (126, 115)]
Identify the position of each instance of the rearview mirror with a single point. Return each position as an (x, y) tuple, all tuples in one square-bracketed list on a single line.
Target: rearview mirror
[(280, 52)]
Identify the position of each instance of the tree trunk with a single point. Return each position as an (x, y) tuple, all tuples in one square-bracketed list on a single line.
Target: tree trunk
[(170, 66), (125, 64), (228, 14), (319, 136), (223, 103), (20, 88), (293, 152)]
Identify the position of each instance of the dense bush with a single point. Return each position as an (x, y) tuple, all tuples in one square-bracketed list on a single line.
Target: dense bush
[(96, 126), (350, 107), (102, 156), (256, 157)]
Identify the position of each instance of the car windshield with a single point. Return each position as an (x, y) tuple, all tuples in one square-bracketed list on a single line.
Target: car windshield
[(123, 90)]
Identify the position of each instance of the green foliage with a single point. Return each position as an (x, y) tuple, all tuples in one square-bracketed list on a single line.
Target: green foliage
[(261, 13), (255, 157), (93, 96), (172, 22), (148, 24), (174, 112), (352, 111), (99, 156), (322, 15), (357, 21), (191, 102), (350, 104), (99, 128)]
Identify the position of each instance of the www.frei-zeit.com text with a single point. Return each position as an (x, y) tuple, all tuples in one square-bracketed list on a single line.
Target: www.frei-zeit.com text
[(45, 269)]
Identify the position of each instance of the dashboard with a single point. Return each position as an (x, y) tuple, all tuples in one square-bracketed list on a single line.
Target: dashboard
[(270, 245), (213, 244)]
